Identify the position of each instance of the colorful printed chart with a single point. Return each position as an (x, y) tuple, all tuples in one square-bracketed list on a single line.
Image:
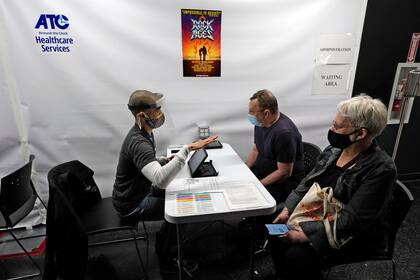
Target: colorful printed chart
[(194, 203)]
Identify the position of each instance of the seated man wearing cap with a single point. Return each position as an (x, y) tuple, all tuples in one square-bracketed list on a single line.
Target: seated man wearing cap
[(141, 178)]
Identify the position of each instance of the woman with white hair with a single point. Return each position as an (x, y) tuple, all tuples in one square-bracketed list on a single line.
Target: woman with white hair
[(362, 177)]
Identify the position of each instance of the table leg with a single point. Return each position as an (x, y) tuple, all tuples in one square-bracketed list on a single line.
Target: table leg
[(251, 261), (179, 243)]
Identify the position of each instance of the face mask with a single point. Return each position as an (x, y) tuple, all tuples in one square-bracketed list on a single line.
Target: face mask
[(340, 141), (253, 120), (155, 123)]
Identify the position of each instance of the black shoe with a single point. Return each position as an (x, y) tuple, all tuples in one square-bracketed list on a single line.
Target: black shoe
[(171, 267), (264, 276)]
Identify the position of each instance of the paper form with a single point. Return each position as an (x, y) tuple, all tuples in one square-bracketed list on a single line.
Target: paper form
[(194, 203), (246, 195), (185, 203), (193, 196), (194, 184)]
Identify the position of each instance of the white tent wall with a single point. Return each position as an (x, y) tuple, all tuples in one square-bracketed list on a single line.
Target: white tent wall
[(73, 105)]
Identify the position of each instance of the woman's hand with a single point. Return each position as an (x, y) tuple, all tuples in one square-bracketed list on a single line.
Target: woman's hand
[(201, 143), (282, 217), (294, 236)]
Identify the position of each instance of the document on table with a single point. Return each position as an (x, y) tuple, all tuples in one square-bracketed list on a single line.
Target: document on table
[(195, 184), (194, 196), (194, 203), (245, 195)]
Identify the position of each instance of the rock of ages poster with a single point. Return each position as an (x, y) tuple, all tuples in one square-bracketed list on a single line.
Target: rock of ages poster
[(201, 30)]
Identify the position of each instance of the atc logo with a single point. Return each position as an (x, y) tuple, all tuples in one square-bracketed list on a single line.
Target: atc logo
[(51, 34), (48, 21)]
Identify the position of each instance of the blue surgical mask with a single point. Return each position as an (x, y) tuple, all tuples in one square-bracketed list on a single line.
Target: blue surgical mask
[(253, 120)]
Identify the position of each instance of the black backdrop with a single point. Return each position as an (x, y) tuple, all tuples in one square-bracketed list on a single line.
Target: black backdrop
[(386, 38)]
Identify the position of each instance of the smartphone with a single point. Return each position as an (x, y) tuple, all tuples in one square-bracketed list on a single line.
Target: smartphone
[(277, 229)]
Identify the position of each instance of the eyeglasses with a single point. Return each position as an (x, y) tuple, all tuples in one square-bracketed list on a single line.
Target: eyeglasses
[(339, 126), (259, 111), (335, 125)]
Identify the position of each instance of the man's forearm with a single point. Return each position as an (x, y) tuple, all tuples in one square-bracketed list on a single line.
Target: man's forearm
[(250, 162), (252, 158), (277, 176)]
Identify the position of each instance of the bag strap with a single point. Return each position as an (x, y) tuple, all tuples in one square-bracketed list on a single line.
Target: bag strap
[(352, 161), (332, 234), (360, 155)]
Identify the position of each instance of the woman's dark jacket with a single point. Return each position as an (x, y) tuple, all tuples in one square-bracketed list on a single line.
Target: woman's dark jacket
[(365, 188)]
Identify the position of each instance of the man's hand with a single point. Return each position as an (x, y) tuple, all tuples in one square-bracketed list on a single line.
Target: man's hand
[(282, 217), (201, 143)]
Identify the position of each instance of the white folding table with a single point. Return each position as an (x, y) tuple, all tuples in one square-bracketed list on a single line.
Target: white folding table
[(234, 193)]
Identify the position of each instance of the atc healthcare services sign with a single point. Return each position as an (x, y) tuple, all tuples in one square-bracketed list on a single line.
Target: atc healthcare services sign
[(53, 36)]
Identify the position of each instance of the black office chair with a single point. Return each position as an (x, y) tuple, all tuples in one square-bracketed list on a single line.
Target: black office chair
[(17, 199), (402, 201), (74, 194), (310, 155)]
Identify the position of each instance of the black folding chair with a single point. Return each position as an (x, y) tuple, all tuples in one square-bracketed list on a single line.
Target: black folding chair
[(17, 199), (72, 183), (310, 155), (402, 201)]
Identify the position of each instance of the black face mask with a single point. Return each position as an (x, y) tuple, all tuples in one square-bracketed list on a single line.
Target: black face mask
[(340, 141), (155, 123), (152, 123)]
